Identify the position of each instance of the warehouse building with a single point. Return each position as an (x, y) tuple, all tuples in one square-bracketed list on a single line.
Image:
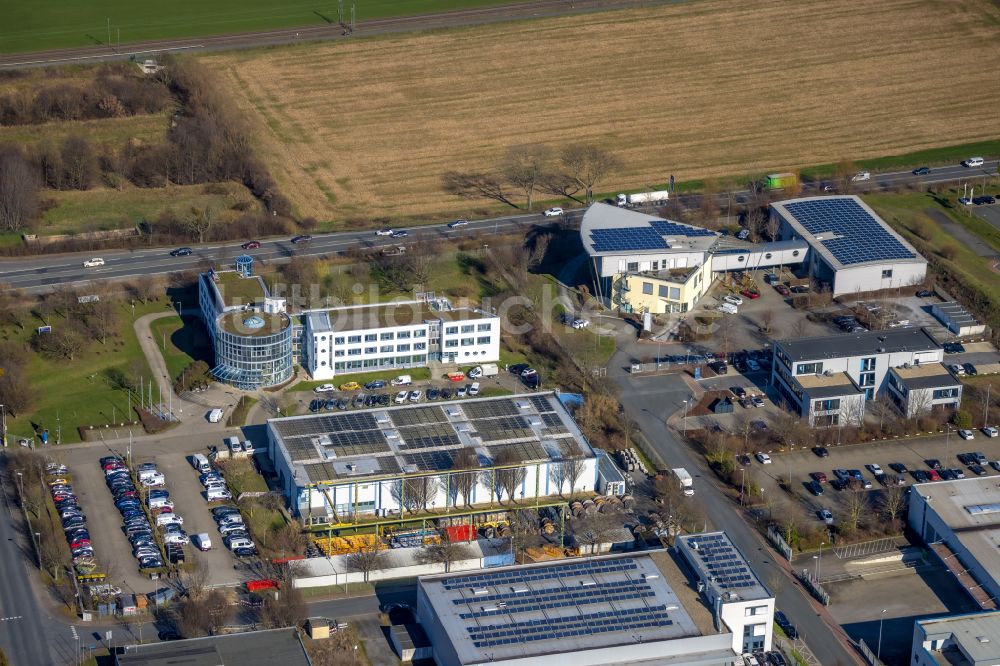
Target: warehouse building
[(250, 331), (957, 319), (960, 522), (957, 640), (252, 648), (642, 609), (851, 248), (396, 335), (436, 455), (829, 379), (644, 263)]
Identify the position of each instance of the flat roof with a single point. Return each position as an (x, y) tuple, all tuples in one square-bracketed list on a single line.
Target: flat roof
[(827, 386), (869, 343), (407, 439), (252, 323), (566, 606), (238, 290), (925, 376), (254, 648), (720, 565), (393, 313), (971, 508), (610, 230), (845, 231), (966, 631)]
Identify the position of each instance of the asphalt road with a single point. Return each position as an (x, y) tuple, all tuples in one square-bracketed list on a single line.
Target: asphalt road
[(648, 400), (25, 631), (44, 272)]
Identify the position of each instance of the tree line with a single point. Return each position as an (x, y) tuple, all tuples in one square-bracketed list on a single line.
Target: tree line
[(534, 168), (206, 142)]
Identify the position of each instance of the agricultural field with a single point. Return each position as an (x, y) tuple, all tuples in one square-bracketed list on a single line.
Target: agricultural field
[(366, 128), (50, 24)]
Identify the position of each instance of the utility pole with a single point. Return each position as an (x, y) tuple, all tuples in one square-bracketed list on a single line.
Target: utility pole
[(986, 413)]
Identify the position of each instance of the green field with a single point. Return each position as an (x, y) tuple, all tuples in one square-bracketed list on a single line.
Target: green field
[(52, 24), (181, 343), (75, 393)]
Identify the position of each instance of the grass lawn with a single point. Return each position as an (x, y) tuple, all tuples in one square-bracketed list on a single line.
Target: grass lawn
[(50, 24), (472, 93), (930, 157), (173, 337), (145, 129), (75, 393), (101, 208)]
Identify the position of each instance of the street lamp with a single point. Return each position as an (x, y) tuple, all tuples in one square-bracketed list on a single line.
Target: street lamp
[(20, 487), (38, 548), (878, 652), (742, 483), (685, 416)]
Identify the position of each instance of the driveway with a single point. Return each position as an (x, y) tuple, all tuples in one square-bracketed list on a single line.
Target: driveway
[(648, 400)]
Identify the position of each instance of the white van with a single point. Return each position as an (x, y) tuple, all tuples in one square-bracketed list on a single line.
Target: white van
[(203, 541), (474, 389), (240, 543), (402, 380), (728, 308), (973, 162), (233, 444), (248, 446), (215, 416), (200, 463)]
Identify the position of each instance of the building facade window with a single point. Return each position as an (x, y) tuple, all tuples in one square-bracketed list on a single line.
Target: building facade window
[(468, 342), (386, 349), (482, 328), (632, 266), (403, 348), (867, 379), (403, 335), (647, 288), (340, 340), (353, 339), (386, 336), (945, 393), (675, 293), (451, 330), (468, 328), (809, 368), (663, 292), (868, 364), (483, 340), (826, 405), (450, 344), (887, 273)]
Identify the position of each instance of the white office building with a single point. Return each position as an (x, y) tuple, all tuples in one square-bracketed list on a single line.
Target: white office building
[(851, 248), (396, 335), (640, 609), (829, 379)]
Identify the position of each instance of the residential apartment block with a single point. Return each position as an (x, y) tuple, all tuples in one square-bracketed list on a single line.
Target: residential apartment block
[(829, 379)]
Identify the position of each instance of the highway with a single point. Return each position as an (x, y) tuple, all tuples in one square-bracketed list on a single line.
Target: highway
[(44, 272)]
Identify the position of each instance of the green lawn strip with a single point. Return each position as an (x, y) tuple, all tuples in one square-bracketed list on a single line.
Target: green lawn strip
[(100, 209), (164, 332), (51, 24), (238, 416), (241, 476), (365, 377), (944, 155), (74, 393)]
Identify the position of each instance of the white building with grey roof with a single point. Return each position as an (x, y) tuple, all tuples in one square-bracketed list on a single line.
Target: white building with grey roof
[(958, 640), (851, 248), (642, 609), (464, 453), (829, 379)]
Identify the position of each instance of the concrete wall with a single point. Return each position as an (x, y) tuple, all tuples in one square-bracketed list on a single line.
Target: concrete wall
[(869, 278)]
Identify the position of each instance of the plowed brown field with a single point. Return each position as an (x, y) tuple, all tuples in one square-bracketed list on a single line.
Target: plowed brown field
[(712, 88)]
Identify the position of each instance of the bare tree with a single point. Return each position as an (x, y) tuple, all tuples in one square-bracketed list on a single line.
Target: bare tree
[(893, 500), (195, 578), (558, 182), (509, 473), (102, 319), (587, 164), (79, 163), (476, 185), (200, 221), (288, 609), (65, 341), (773, 226), (570, 467), (366, 559), (594, 530), (445, 552), (855, 506), (219, 610), (193, 619), (18, 190), (525, 166), (465, 482), (755, 220)]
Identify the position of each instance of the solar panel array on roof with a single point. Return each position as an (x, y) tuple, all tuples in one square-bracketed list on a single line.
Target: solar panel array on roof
[(552, 572), (485, 410), (300, 449), (723, 562), (429, 461), (504, 427), (318, 472), (417, 415), (522, 451), (862, 237), (427, 436), (324, 424), (668, 228), (623, 239), (356, 442), (541, 404)]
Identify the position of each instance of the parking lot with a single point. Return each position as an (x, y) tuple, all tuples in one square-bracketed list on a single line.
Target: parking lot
[(112, 549)]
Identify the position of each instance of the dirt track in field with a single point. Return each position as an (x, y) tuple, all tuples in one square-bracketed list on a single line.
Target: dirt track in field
[(701, 89)]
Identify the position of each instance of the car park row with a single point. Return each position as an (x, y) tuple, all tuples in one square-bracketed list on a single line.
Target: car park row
[(73, 520), (228, 519)]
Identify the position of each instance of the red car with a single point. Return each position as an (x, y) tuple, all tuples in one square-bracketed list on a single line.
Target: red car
[(932, 475), (251, 245), (750, 294), (79, 543), (819, 476), (782, 289)]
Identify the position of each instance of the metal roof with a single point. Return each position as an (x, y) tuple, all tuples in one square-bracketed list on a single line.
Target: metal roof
[(720, 565), (612, 230), (869, 343)]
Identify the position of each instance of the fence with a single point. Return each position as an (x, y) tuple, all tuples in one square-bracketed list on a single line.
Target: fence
[(812, 584), (870, 656), (779, 542)]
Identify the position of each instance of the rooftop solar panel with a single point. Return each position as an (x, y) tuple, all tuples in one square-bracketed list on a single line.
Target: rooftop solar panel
[(417, 415), (855, 236), (623, 239), (668, 228)]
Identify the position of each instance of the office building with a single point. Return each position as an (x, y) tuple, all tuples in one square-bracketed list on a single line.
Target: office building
[(958, 640), (828, 379)]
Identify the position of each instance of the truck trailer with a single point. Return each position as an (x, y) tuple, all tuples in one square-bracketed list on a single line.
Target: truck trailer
[(640, 198), (684, 480), (779, 181)]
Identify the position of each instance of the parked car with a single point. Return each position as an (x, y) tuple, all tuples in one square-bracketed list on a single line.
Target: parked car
[(924, 293), (821, 451), (957, 369), (757, 401), (763, 458), (325, 388), (782, 289), (990, 431), (933, 463), (350, 386), (401, 397), (898, 468), (874, 469), (920, 476), (375, 385), (554, 212), (819, 477), (861, 176), (970, 369), (978, 470), (966, 434), (782, 621), (933, 475), (815, 488), (732, 298)]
